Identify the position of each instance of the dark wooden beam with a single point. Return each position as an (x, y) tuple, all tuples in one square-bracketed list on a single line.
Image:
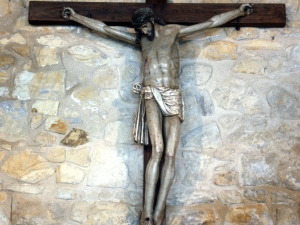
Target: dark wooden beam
[(49, 13)]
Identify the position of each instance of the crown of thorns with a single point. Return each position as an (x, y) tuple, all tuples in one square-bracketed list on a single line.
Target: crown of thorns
[(141, 16)]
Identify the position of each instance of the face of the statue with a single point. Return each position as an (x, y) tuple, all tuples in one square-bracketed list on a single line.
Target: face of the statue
[(148, 30)]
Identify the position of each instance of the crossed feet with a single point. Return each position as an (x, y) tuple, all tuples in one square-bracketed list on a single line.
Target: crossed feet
[(148, 221)]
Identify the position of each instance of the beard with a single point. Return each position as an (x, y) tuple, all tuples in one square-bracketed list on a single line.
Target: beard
[(150, 34)]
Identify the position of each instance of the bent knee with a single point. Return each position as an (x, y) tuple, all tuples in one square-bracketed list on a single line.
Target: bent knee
[(157, 151)]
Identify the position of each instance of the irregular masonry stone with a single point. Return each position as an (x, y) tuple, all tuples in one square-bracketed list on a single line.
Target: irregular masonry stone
[(72, 116), (17, 38), (228, 121), (52, 41), (3, 76), (3, 196), (46, 56), (191, 178), (259, 171), (229, 197), (69, 194), (198, 74), (103, 213), (193, 217), (226, 179), (69, 173), (27, 167), (6, 147), (220, 50), (226, 154), (252, 65), (3, 218), (263, 44), (236, 94), (75, 137), (2, 155), (280, 198), (189, 50), (4, 7), (4, 92), (24, 188), (294, 53), (56, 125), (119, 132), (44, 139), (78, 156), (130, 71), (49, 107), (291, 179), (56, 155), (190, 197), (206, 136), (248, 214), (6, 61), (88, 55), (205, 104), (107, 169), (127, 95), (14, 126), (33, 210), (243, 33), (107, 78), (22, 50), (43, 85), (258, 195), (36, 121), (286, 216), (283, 103)]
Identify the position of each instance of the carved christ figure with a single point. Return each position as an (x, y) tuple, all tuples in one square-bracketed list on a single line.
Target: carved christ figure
[(161, 108)]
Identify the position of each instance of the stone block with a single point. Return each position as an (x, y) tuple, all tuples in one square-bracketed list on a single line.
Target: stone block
[(70, 194), (226, 179), (258, 195), (52, 41), (229, 197), (69, 173), (220, 50), (46, 56), (3, 76), (56, 125), (119, 132), (16, 38), (291, 179), (130, 71), (79, 156), (263, 44), (75, 137), (44, 139), (195, 74), (23, 50), (24, 188), (36, 121), (56, 155), (6, 61), (49, 107), (243, 33), (107, 78), (287, 216), (252, 65)]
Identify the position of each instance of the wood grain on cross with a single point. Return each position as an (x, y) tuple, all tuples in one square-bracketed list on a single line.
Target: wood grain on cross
[(49, 13)]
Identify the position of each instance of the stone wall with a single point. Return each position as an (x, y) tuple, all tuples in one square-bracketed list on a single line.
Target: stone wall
[(67, 155)]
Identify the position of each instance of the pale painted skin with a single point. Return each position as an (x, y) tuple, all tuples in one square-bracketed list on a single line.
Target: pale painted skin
[(160, 61)]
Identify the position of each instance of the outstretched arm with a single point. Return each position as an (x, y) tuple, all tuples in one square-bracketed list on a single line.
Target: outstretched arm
[(69, 13), (217, 20)]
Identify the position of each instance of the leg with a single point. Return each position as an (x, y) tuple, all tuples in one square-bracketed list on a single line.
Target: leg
[(171, 137), (154, 121)]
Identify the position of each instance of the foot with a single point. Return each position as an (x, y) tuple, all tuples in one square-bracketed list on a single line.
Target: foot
[(158, 220), (147, 221)]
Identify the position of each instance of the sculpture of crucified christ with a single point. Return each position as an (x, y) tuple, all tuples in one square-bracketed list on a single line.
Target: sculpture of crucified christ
[(160, 110)]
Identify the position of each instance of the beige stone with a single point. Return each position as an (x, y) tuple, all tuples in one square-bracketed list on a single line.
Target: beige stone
[(78, 156), (22, 50), (220, 50), (6, 147), (25, 188), (243, 33), (52, 41), (46, 57), (254, 65), (69, 173), (27, 167), (107, 78), (16, 38), (4, 7), (44, 139), (49, 107), (189, 51), (36, 121), (56, 125), (2, 155), (6, 61), (57, 155), (263, 44), (75, 137), (213, 32), (225, 179), (3, 76), (3, 196)]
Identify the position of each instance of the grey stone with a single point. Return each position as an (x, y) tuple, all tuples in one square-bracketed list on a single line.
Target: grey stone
[(294, 54), (236, 94), (107, 169), (13, 120), (119, 132), (280, 198), (205, 103), (4, 92), (226, 179), (225, 154), (258, 195), (286, 216), (107, 78), (3, 218), (229, 197), (127, 95), (259, 171), (291, 179), (206, 136), (283, 103), (131, 71), (70, 194), (191, 178), (195, 74), (190, 197), (24, 188), (228, 121)]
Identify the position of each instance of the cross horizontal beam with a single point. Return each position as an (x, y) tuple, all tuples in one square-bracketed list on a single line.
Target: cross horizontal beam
[(49, 13)]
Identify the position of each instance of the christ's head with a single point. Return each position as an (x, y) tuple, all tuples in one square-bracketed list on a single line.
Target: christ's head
[(143, 22)]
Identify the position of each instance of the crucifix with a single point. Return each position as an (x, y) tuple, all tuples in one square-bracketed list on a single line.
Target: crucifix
[(160, 111)]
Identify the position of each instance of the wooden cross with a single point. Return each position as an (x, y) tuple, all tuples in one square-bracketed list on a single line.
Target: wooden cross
[(49, 13)]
